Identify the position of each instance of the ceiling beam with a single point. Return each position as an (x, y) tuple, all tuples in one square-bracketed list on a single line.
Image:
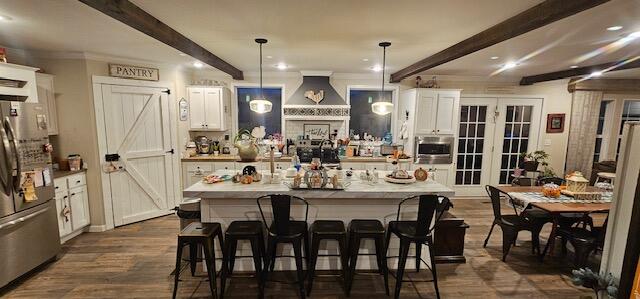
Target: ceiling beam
[(538, 16), (606, 85), (581, 71), (133, 16)]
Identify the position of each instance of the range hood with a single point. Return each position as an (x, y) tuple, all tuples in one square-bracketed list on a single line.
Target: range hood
[(316, 90)]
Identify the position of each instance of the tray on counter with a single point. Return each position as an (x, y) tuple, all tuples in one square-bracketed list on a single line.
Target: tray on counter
[(303, 186)]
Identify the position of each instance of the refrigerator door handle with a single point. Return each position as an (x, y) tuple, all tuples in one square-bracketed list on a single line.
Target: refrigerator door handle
[(14, 143), (22, 219), (6, 181)]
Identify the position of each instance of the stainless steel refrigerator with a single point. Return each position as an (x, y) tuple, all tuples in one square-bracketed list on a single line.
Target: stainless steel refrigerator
[(29, 233)]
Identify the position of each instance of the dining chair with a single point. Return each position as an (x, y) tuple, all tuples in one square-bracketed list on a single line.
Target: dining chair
[(551, 179), (512, 224), (584, 241)]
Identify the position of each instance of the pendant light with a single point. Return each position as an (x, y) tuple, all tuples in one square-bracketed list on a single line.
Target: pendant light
[(259, 104), (382, 107)]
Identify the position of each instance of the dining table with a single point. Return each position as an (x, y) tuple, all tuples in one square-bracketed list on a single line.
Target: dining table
[(555, 209)]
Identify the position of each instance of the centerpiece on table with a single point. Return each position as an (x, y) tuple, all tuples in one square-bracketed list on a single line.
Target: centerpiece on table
[(577, 187)]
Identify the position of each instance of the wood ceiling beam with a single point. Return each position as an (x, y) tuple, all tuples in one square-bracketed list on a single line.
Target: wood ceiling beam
[(606, 85), (133, 16), (581, 71), (538, 16)]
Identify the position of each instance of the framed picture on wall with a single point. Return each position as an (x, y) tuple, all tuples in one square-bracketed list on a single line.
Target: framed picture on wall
[(316, 131), (555, 123)]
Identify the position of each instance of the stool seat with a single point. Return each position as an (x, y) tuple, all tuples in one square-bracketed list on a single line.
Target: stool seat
[(328, 227), (244, 228), (294, 228), (366, 226), (197, 229)]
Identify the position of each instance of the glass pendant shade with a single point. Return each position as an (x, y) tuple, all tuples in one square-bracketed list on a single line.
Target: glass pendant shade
[(382, 108), (260, 106)]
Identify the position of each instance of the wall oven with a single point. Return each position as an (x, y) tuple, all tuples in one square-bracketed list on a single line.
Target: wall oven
[(434, 149)]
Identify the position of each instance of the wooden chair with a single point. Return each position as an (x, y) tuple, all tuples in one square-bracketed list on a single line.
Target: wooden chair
[(512, 224)]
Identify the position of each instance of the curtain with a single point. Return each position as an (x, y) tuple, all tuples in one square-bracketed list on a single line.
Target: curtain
[(582, 132)]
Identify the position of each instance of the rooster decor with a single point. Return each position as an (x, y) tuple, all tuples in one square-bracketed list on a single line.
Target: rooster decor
[(316, 97)]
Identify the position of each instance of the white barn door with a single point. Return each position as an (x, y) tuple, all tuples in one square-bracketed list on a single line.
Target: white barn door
[(137, 128)]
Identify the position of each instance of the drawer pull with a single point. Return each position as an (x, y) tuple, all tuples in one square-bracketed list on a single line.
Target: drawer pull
[(57, 187), (72, 194), (78, 181), (65, 196)]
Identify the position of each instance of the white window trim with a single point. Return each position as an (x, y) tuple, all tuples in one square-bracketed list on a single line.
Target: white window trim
[(606, 129), (395, 91), (234, 103)]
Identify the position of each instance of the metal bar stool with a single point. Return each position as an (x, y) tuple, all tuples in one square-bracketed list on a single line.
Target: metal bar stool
[(199, 234), (367, 229), (328, 230), (419, 232), (243, 230), (284, 230)]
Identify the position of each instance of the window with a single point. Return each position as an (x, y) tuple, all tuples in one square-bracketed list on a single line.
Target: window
[(473, 119), (600, 131), (363, 120), (630, 112), (248, 119), (517, 128)]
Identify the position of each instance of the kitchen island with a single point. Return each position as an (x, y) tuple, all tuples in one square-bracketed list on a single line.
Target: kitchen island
[(226, 201)]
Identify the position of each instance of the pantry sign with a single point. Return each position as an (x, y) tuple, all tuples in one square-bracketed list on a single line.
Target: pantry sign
[(133, 72)]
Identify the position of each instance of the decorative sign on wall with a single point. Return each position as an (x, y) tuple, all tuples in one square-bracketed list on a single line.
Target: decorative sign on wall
[(316, 131), (316, 97), (133, 72)]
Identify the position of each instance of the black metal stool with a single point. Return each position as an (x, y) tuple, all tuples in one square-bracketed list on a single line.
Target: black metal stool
[(328, 230), (285, 230), (367, 229), (199, 234), (243, 230), (418, 232)]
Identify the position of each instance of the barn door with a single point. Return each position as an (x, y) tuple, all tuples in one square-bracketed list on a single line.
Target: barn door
[(137, 128)]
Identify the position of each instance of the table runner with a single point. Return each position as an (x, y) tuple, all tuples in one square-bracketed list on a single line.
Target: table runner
[(521, 200)]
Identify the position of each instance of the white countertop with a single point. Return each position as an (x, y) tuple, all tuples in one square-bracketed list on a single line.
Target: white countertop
[(356, 190)]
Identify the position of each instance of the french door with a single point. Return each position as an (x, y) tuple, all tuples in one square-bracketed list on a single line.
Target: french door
[(492, 133)]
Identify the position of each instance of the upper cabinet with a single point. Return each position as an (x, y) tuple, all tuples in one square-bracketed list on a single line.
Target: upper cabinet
[(18, 83), (46, 96), (207, 110), (436, 111)]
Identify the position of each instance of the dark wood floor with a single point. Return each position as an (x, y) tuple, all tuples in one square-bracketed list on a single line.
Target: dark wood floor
[(135, 261)]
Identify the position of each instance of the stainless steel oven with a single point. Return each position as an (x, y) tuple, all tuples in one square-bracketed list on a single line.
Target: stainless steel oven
[(434, 149)]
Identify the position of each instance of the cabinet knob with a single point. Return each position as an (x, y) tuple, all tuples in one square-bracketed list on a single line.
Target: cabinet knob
[(72, 194), (78, 182)]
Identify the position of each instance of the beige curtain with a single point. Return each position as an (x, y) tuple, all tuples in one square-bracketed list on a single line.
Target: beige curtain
[(582, 132)]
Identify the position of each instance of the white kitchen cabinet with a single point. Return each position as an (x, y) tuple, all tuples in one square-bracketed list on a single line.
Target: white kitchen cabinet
[(79, 202), (436, 111), (22, 74), (224, 166), (207, 110), (46, 97), (375, 166), (63, 209), (72, 205), (193, 172)]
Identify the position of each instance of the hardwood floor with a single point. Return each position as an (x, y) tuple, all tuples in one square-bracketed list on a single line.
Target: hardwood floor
[(135, 261)]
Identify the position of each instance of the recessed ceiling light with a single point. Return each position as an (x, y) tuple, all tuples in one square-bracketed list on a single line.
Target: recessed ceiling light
[(5, 18), (614, 28), (198, 64), (376, 68), (281, 66), (510, 65), (635, 34), (574, 66), (365, 59), (494, 57), (596, 74), (269, 56)]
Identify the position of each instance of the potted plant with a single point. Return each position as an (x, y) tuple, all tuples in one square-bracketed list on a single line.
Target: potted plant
[(531, 161), (600, 284)]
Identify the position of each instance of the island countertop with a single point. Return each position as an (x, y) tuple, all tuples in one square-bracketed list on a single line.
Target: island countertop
[(356, 190)]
